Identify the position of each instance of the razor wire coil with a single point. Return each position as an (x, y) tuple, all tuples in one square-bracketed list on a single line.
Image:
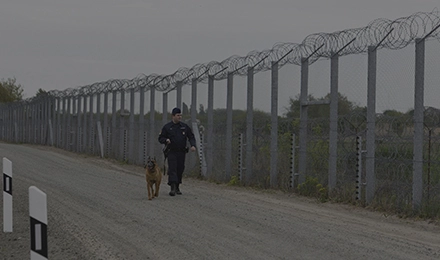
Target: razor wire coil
[(382, 33)]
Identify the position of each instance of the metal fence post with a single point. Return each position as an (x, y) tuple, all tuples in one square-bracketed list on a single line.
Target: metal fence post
[(63, 126), (131, 129), (333, 142), (98, 125), (79, 135), (122, 115), (370, 177), (141, 135), (210, 127), (105, 129), (84, 128), (194, 100), (274, 127), (302, 162), (228, 142), (249, 176), (69, 125), (92, 126), (114, 131), (179, 85), (74, 129), (151, 134), (418, 124), (164, 108)]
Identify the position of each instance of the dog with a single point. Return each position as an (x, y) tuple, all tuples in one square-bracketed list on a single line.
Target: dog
[(153, 176)]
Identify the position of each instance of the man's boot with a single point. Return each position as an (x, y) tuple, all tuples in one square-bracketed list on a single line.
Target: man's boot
[(173, 189), (178, 190)]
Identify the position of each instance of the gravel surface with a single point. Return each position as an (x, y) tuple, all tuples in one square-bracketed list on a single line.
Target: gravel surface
[(98, 209)]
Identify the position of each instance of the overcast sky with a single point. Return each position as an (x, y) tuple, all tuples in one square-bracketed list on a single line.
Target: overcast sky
[(59, 44)]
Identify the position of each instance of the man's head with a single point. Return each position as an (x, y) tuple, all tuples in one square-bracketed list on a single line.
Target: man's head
[(176, 115)]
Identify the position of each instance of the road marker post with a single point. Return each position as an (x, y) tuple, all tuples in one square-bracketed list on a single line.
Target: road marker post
[(38, 221), (7, 195)]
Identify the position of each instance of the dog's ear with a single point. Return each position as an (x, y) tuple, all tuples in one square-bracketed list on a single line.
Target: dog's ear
[(154, 158)]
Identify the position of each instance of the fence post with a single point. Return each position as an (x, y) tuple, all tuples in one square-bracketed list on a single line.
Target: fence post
[(240, 157), (79, 134), (333, 142), (113, 144), (92, 126), (194, 100), (74, 129), (274, 127), (63, 126), (358, 167), (15, 119), (179, 85), (152, 133), (164, 108), (210, 126), (84, 128), (142, 126), (302, 162), (122, 127), (370, 176), (131, 129), (99, 128), (199, 143), (19, 121), (249, 126), (418, 124), (228, 143), (293, 174), (105, 128), (43, 121)]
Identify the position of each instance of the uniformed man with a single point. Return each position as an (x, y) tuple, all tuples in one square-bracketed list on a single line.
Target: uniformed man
[(175, 135)]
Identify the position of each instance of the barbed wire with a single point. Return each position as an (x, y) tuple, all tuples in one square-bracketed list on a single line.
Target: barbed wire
[(381, 33)]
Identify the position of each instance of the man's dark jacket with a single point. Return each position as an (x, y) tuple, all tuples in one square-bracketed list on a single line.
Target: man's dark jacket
[(178, 134)]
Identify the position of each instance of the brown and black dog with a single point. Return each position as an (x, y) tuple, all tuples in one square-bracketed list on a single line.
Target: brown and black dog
[(153, 176)]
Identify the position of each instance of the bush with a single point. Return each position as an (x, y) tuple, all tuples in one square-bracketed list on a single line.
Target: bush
[(312, 188)]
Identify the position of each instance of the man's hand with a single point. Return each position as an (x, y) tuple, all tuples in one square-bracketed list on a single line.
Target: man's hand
[(193, 149), (168, 141)]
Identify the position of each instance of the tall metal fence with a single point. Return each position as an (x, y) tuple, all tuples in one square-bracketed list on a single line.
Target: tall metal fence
[(384, 157)]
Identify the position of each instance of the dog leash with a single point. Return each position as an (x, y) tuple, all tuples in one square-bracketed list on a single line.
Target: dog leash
[(165, 151), (164, 169)]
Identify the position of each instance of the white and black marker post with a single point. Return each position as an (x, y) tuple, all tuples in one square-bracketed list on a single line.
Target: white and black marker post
[(7, 195), (38, 218)]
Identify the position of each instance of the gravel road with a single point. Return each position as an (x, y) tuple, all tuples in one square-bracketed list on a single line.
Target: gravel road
[(98, 209)]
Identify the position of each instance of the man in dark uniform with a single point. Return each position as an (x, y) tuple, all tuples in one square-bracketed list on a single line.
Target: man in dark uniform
[(175, 135)]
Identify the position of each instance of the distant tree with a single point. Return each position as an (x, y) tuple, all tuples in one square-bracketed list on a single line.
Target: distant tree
[(41, 93), (10, 91), (293, 110), (392, 113), (344, 107)]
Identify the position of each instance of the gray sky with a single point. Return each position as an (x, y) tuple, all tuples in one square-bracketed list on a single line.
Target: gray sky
[(59, 44)]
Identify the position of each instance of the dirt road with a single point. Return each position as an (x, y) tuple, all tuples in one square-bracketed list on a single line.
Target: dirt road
[(99, 210)]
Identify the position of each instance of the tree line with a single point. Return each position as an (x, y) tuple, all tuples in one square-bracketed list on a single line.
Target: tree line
[(11, 91)]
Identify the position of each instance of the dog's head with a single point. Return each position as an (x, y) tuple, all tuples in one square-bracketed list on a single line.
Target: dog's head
[(151, 163)]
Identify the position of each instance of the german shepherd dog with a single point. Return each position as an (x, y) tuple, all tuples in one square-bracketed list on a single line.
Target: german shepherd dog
[(153, 176)]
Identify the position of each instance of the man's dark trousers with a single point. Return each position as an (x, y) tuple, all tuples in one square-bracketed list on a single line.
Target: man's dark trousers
[(176, 166)]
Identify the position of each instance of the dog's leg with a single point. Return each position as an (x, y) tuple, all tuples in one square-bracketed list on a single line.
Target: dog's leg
[(156, 194), (150, 192)]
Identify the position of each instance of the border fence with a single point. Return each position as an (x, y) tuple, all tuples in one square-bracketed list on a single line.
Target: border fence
[(386, 159)]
